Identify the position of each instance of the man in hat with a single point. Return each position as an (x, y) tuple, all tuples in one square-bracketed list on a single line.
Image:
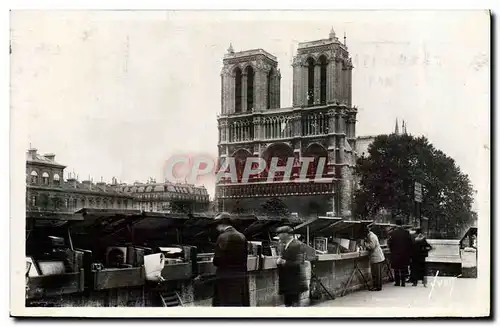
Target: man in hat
[(377, 258), (292, 281), (230, 259), (400, 244)]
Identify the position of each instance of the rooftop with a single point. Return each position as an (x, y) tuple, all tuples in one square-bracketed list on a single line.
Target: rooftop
[(74, 186), (34, 157), (332, 39), (247, 53), (162, 187)]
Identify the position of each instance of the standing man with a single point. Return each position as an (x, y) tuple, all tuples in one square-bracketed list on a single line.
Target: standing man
[(292, 281), (400, 245), (230, 258), (421, 250), (377, 259)]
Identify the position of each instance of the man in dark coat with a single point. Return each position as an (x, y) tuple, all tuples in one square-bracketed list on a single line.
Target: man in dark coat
[(292, 281), (421, 250), (230, 258), (400, 244)]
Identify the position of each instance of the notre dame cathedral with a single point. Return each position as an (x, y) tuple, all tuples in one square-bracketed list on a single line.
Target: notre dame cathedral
[(320, 124)]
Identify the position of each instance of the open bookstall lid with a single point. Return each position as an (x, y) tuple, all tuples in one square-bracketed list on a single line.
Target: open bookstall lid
[(334, 226), (104, 221), (351, 229), (157, 221), (472, 231), (317, 225), (48, 215)]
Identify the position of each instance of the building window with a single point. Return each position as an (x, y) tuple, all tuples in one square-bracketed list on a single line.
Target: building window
[(270, 88), (75, 203), (33, 200), (250, 76), (238, 90), (34, 177), (56, 179), (310, 81), (66, 203), (45, 178), (322, 93)]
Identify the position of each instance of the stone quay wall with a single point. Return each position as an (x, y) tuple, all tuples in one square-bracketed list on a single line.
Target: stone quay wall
[(334, 271)]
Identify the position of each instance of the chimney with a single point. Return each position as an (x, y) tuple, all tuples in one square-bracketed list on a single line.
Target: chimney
[(101, 182), (87, 183), (32, 153), (72, 181), (50, 156)]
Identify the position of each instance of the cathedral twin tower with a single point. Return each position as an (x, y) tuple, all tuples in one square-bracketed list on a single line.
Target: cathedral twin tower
[(322, 72), (321, 124)]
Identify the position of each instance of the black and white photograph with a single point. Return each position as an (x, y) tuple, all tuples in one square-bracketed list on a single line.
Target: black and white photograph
[(294, 163)]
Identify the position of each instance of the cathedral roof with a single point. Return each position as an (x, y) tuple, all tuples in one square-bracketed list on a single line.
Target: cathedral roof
[(248, 53)]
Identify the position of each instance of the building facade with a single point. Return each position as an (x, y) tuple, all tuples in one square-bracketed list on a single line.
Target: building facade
[(167, 197), (362, 145), (47, 191), (321, 124)]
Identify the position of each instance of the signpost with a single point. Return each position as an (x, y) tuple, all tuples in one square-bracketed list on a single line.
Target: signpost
[(418, 201), (418, 192)]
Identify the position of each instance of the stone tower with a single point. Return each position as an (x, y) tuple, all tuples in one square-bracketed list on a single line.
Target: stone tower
[(250, 81), (322, 73), (320, 124)]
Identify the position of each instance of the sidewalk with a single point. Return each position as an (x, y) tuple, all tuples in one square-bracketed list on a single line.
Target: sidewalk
[(447, 293)]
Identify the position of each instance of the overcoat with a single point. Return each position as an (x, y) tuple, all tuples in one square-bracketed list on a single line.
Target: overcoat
[(231, 277), (421, 250), (401, 247), (291, 274)]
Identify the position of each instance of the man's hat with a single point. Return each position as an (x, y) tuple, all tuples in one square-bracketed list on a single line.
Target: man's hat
[(222, 218), (284, 230)]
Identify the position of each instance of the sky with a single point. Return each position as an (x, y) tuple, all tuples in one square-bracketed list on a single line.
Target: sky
[(115, 94)]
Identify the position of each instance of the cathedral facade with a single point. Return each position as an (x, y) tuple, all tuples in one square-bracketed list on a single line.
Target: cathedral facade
[(320, 124)]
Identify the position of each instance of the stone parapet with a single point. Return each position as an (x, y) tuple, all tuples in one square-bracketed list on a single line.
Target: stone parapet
[(334, 272)]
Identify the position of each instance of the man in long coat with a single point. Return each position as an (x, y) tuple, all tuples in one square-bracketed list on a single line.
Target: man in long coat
[(292, 281), (230, 259), (401, 245)]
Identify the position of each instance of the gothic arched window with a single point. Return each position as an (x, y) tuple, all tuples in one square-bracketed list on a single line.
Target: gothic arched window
[(322, 93), (310, 81), (237, 89), (250, 76)]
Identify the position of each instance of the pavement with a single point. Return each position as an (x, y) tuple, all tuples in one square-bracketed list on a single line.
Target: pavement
[(444, 294)]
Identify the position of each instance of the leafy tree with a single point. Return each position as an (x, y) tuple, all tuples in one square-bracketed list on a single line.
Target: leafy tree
[(275, 207), (388, 174)]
